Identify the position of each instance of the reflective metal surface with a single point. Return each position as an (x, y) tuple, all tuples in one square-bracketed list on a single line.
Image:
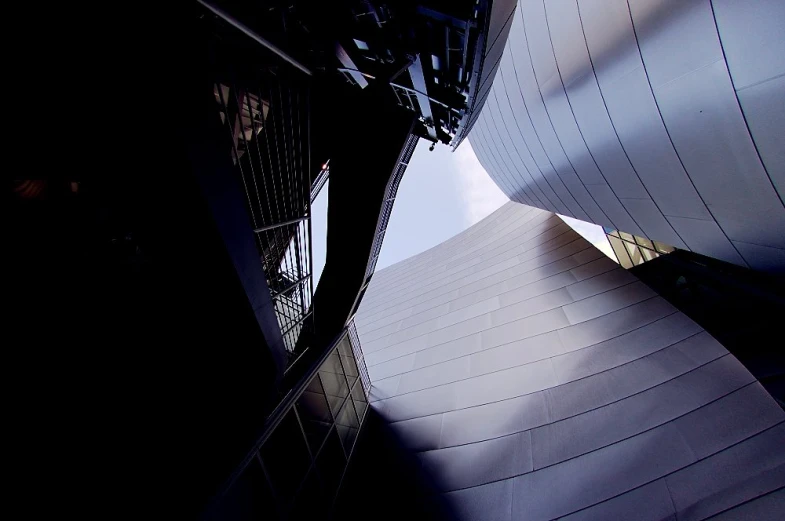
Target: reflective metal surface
[(531, 377), (661, 118)]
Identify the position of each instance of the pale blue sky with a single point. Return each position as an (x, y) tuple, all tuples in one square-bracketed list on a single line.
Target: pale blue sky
[(442, 193)]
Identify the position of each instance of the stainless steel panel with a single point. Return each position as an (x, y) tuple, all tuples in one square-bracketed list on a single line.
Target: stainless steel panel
[(549, 88), (493, 420), (531, 326), (522, 166), (538, 304), (421, 403), (611, 471), (730, 420), (617, 63), (391, 368), (764, 109), (676, 37), (602, 411), (595, 267), (574, 125), (384, 388), (529, 90), (707, 238), (583, 101), (613, 208), (479, 463), (483, 306), (704, 120), (489, 151), (613, 324), (556, 442), (524, 135), (420, 433), (502, 385), (753, 40), (488, 160), (651, 502), (431, 376), (700, 110), (518, 294), (516, 353), (730, 477), (762, 257), (607, 302), (509, 125), (768, 507), (648, 216), (639, 125), (601, 283), (441, 353), (623, 349), (511, 177), (490, 502)]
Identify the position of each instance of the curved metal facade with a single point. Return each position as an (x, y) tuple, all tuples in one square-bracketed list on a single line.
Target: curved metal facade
[(661, 118), (534, 378)]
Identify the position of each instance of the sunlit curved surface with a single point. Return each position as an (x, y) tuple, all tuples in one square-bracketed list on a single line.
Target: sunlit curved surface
[(660, 118), (534, 378)]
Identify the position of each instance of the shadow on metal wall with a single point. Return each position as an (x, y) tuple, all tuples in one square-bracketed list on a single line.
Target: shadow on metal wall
[(741, 308), (386, 476)]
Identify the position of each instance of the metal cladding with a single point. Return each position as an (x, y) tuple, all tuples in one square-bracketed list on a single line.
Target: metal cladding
[(534, 378), (660, 118)]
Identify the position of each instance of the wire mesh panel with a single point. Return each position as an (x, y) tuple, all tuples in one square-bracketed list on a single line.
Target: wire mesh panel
[(354, 340), (267, 125)]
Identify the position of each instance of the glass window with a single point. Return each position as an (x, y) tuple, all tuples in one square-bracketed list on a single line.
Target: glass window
[(360, 400), (635, 253), (286, 457), (350, 366), (649, 254), (627, 237), (249, 497), (347, 425), (331, 463), (332, 364), (646, 243), (345, 348), (336, 388), (663, 248), (311, 500), (314, 412), (621, 252)]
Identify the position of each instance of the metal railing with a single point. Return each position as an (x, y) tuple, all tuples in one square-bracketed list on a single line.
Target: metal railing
[(389, 200), (354, 340), (321, 179)]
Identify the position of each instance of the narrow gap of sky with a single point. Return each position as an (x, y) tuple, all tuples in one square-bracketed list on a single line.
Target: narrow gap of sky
[(442, 193)]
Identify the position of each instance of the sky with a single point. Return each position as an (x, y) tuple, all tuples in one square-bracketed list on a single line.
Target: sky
[(442, 193)]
